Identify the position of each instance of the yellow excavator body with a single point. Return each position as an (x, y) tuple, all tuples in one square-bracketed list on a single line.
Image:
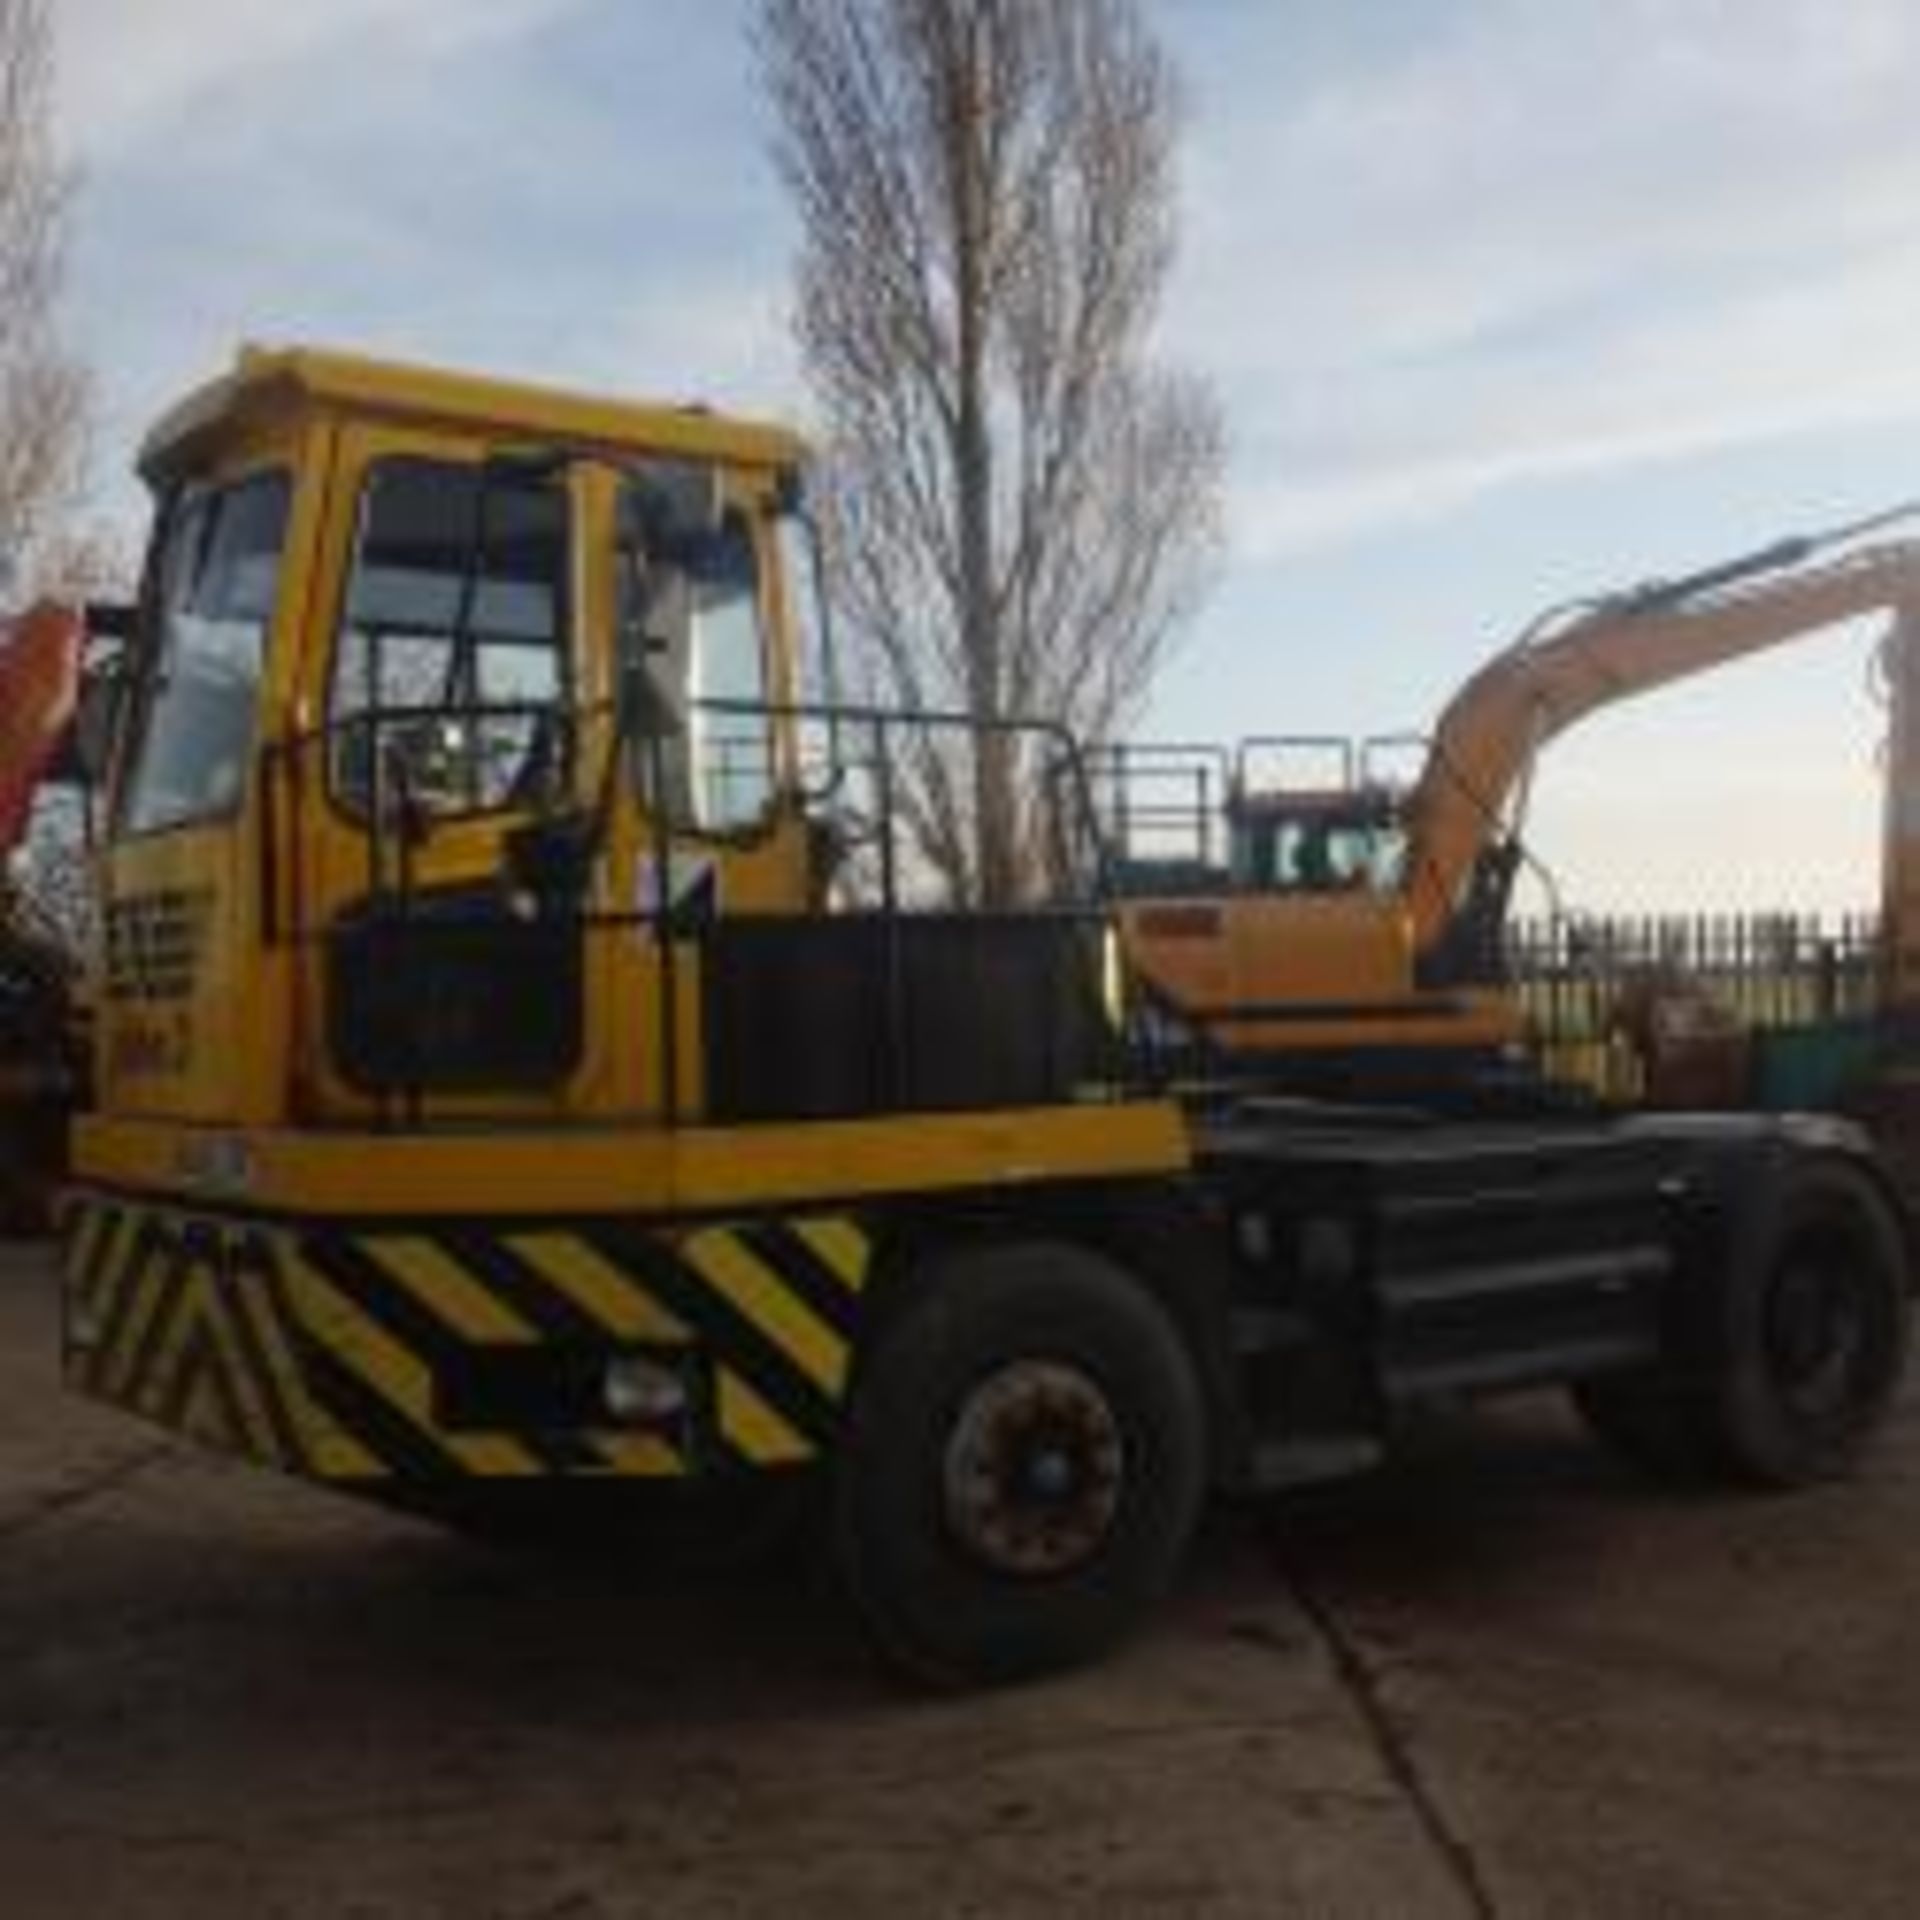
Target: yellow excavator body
[(1359, 928)]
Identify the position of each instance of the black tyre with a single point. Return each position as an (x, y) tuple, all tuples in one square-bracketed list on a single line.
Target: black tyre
[(1024, 1460), (1815, 1328), (1792, 1365)]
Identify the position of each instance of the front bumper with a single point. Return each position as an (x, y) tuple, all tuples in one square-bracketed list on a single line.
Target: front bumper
[(389, 1355)]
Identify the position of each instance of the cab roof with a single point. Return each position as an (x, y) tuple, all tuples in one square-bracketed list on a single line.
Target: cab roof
[(266, 383)]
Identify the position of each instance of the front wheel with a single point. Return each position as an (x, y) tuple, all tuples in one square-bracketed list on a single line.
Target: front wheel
[(1023, 1462)]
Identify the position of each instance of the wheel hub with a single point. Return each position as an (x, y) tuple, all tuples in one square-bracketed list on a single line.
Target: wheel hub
[(1034, 1469), (1815, 1333)]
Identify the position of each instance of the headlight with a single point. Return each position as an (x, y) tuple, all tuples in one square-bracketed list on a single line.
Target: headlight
[(642, 1393)]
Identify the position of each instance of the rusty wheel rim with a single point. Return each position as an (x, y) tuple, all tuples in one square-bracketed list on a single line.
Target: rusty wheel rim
[(1034, 1470)]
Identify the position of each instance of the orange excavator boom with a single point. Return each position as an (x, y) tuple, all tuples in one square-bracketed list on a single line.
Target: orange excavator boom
[(1393, 953), (1484, 747)]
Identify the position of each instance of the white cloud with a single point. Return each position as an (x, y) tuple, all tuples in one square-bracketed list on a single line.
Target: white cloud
[(130, 66), (1549, 240), (1536, 241), (722, 340), (458, 181), (1436, 255), (1416, 442)]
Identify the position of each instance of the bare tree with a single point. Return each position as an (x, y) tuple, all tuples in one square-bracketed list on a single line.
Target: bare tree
[(1023, 508), (43, 389), (44, 897)]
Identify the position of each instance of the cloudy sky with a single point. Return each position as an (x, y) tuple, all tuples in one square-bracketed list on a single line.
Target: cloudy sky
[(1506, 300)]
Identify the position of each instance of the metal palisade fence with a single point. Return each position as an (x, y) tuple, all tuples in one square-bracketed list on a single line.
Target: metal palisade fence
[(1604, 996)]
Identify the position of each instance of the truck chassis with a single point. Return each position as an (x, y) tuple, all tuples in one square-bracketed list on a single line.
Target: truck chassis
[(1012, 1399)]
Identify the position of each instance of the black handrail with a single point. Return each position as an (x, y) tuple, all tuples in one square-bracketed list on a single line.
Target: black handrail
[(394, 806)]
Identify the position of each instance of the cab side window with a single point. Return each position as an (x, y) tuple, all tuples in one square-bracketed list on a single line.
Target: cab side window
[(217, 584), (450, 668)]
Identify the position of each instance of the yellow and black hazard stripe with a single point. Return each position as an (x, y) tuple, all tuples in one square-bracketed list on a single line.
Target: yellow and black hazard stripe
[(189, 1322), (327, 1349)]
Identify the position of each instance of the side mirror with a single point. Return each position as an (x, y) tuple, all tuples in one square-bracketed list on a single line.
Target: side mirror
[(96, 724)]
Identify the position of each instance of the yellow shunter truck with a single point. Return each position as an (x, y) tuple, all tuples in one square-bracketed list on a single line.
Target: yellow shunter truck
[(537, 1061)]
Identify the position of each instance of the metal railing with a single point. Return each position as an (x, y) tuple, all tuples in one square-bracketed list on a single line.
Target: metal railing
[(893, 801), (1162, 808)]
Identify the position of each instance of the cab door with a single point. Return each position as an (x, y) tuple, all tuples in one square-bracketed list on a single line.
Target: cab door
[(445, 692)]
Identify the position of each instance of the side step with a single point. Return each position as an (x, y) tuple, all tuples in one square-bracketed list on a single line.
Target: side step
[(1532, 1317)]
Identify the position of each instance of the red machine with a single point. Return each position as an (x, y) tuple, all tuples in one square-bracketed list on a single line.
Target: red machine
[(40, 661)]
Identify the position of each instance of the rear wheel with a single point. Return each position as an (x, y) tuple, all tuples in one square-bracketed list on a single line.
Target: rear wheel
[(1023, 1462), (1816, 1334), (1799, 1355)]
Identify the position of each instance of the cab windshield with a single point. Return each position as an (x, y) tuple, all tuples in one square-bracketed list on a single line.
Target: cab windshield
[(214, 589), (1319, 853)]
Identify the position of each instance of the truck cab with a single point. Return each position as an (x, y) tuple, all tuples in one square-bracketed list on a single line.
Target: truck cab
[(362, 665)]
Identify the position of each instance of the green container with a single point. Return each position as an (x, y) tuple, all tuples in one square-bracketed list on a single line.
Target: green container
[(1812, 1068)]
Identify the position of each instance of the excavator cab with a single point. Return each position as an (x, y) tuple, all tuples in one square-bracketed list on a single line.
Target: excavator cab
[(1291, 815), (1266, 899), (1317, 843), (1318, 814)]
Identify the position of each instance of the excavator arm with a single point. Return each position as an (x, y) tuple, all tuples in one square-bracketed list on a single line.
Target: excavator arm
[(1399, 985), (1484, 748)]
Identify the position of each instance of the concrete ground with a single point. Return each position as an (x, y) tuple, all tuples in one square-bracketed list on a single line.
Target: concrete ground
[(1504, 1679)]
